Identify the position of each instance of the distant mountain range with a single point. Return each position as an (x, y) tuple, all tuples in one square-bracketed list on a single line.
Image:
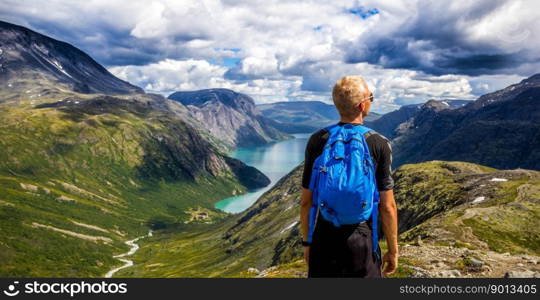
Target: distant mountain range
[(500, 129), (304, 116), (388, 123), (230, 116)]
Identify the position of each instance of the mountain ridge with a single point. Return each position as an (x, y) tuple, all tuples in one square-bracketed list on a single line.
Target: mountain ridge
[(229, 116), (28, 55)]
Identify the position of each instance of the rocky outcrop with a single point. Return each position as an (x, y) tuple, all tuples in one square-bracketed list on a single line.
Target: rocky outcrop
[(248, 176), (229, 116)]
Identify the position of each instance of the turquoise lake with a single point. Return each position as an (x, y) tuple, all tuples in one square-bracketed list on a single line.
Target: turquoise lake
[(275, 160)]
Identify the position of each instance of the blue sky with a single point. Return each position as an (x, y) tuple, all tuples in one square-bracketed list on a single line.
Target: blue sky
[(409, 51)]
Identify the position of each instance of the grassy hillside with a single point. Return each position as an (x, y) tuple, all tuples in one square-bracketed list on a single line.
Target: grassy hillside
[(436, 201), (80, 176), (490, 209)]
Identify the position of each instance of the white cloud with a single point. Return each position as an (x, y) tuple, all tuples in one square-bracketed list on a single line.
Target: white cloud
[(297, 49), (168, 76)]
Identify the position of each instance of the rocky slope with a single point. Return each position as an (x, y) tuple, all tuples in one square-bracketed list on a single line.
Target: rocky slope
[(498, 130), (304, 116), (32, 62), (230, 116), (388, 123), (80, 173), (391, 123), (464, 220)]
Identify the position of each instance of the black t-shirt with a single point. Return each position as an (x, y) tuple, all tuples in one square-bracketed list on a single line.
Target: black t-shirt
[(379, 149)]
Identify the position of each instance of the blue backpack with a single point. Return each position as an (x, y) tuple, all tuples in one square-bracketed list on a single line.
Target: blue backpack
[(343, 181)]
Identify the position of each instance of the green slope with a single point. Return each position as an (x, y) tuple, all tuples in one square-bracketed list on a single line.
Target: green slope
[(431, 196), (79, 177)]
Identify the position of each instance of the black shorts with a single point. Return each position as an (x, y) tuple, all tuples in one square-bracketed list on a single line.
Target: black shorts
[(344, 251)]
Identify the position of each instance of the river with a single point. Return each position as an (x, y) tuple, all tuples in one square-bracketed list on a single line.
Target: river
[(275, 160), (133, 247)]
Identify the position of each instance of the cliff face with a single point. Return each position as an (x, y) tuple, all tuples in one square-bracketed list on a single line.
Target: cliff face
[(229, 116)]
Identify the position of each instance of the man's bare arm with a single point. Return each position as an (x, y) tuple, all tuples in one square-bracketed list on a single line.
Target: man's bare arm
[(305, 205), (388, 213)]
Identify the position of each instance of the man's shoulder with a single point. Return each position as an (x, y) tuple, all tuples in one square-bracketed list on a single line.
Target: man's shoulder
[(374, 135), (378, 141), (319, 134)]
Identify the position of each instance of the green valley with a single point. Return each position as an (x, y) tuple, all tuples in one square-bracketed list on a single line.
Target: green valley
[(444, 222), (82, 175)]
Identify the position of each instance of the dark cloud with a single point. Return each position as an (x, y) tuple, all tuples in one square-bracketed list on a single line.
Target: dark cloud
[(436, 41), (111, 45)]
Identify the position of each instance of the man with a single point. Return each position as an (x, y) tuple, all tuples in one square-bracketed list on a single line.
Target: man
[(347, 250)]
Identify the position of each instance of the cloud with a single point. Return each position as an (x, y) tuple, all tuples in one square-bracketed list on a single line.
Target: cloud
[(410, 51), (464, 37), (168, 76)]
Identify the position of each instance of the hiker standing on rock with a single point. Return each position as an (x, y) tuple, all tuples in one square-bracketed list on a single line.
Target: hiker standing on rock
[(347, 186)]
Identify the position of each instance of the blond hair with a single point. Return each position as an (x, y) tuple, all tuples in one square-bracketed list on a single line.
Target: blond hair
[(347, 93)]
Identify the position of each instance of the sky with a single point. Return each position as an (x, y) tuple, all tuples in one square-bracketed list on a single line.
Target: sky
[(408, 51)]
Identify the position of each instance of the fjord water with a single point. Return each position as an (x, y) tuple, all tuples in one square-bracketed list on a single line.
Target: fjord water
[(275, 160)]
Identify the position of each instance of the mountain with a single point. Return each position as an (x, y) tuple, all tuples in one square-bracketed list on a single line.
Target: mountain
[(499, 130), (230, 116), (453, 217), (81, 173), (33, 62), (389, 123), (308, 116)]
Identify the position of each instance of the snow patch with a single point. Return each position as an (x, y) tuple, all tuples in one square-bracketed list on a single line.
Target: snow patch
[(479, 199), (56, 64), (445, 103), (498, 179), (289, 227)]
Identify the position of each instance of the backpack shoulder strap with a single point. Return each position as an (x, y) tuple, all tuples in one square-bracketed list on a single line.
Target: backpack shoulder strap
[(333, 133), (361, 129), (333, 129)]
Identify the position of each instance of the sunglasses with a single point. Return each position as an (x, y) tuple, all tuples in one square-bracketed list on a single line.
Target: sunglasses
[(370, 98)]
